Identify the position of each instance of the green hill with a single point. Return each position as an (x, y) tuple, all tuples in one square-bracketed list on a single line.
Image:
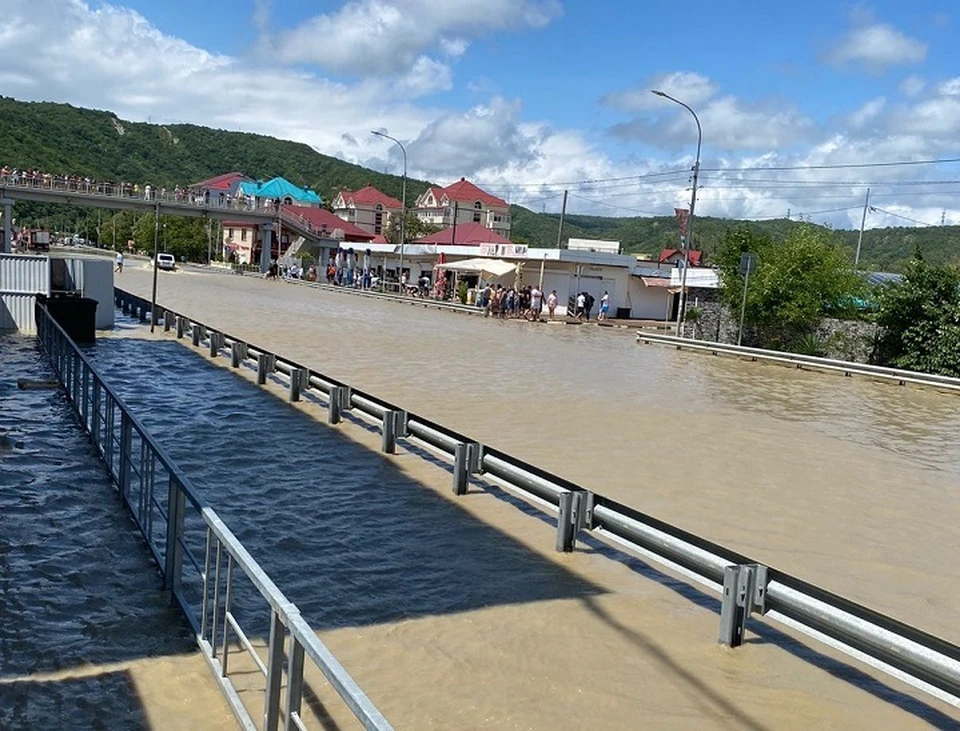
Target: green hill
[(66, 139)]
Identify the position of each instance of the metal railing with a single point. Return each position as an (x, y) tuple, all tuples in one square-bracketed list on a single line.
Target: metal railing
[(199, 557), (130, 192), (847, 368), (746, 586)]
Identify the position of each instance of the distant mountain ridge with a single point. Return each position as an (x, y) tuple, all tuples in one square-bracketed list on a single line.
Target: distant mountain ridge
[(65, 139)]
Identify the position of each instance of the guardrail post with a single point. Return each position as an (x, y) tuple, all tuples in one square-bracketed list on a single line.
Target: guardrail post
[(271, 701), (460, 468), (126, 438), (744, 590), (181, 326), (565, 534), (235, 354), (168, 318), (388, 432), (296, 383), (266, 364), (176, 508), (125, 305), (294, 684), (216, 344), (335, 404), (195, 334), (155, 315), (143, 311), (346, 398)]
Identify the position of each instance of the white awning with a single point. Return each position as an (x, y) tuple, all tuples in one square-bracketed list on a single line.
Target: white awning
[(491, 267)]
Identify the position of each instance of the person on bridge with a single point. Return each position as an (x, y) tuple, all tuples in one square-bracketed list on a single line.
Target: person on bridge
[(119, 262)]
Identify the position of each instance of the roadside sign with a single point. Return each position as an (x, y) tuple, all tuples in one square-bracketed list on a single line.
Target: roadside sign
[(748, 263)]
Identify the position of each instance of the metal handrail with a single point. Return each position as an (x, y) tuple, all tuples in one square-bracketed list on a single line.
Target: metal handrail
[(933, 663), (826, 364), (96, 404)]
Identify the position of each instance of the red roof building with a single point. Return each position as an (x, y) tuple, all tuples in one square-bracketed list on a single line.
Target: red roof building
[(226, 183), (466, 234), (367, 208), (320, 222), (675, 256), (466, 202)]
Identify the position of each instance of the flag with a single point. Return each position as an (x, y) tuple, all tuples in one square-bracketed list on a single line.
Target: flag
[(683, 216)]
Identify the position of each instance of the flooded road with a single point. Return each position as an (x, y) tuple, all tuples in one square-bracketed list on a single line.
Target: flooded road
[(851, 484), (457, 612), (87, 637)]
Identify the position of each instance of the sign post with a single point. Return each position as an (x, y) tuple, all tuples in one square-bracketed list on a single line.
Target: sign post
[(748, 264)]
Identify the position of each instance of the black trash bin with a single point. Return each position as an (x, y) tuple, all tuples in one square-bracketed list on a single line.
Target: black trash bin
[(76, 315)]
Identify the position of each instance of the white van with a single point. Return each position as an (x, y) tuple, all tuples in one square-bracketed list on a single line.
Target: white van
[(166, 261)]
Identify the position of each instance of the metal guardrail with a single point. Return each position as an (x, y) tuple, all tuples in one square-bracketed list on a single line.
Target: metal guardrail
[(174, 518), (847, 368), (929, 663), (382, 294)]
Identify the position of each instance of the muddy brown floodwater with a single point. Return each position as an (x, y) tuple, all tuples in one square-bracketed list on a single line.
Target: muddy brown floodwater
[(847, 483)]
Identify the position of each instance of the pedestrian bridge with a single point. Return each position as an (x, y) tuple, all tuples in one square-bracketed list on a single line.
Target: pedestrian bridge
[(161, 202)]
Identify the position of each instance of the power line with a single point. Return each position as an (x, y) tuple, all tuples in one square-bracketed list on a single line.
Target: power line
[(611, 205), (897, 215), (838, 166)]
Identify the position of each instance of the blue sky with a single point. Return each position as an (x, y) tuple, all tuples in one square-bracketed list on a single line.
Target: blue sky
[(525, 96)]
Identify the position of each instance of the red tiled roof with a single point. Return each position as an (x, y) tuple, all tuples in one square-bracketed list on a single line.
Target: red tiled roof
[(694, 256), (370, 196), (465, 191), (467, 234), (321, 218), (221, 182), (379, 239)]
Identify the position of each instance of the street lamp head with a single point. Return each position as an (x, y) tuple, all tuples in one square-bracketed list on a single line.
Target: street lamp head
[(657, 92), (378, 134)]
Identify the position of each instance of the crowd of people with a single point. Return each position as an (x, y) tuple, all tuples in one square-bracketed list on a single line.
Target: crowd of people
[(90, 186), (530, 303)]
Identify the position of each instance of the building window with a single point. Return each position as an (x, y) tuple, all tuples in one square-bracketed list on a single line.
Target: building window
[(476, 216), (478, 205), (243, 234), (230, 234)]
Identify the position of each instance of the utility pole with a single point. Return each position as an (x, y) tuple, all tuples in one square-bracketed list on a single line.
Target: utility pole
[(456, 215), (863, 223), (156, 250), (563, 214), (943, 217)]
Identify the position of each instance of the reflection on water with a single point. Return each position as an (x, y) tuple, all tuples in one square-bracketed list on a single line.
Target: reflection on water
[(842, 481)]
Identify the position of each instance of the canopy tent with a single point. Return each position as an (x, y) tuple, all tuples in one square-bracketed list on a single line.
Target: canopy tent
[(490, 267)]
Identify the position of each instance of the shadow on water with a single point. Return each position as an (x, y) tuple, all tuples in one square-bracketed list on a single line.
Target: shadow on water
[(345, 535), (77, 584), (353, 541), (105, 701)]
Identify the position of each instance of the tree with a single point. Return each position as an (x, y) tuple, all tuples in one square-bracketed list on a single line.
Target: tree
[(415, 229), (796, 284), (919, 320)]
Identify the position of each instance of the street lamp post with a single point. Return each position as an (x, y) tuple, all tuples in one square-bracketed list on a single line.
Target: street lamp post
[(681, 315), (403, 204)]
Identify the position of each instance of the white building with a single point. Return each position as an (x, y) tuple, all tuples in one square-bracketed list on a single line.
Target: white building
[(367, 208), (637, 289), (466, 203)]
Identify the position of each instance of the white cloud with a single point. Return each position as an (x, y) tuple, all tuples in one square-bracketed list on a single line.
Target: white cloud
[(868, 112), (112, 58), (692, 88), (728, 123), (382, 36), (912, 85), (877, 46)]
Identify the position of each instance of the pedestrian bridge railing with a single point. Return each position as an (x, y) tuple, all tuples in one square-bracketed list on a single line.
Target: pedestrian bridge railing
[(747, 587), (809, 362), (199, 557)]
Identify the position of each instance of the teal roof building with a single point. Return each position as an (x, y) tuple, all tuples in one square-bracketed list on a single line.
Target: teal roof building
[(282, 190)]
